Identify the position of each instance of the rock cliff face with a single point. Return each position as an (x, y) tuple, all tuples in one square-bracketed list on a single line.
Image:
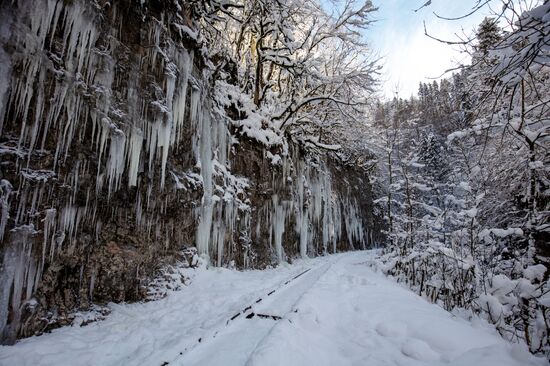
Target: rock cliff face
[(119, 147)]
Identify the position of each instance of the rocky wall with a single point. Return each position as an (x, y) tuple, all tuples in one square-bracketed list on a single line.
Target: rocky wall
[(115, 155)]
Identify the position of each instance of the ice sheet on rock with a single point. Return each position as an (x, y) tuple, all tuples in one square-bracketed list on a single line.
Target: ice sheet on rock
[(18, 276)]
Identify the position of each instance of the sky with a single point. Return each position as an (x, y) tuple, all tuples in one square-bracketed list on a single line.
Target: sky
[(409, 55)]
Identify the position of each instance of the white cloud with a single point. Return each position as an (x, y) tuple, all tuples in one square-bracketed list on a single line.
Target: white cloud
[(409, 55), (411, 58)]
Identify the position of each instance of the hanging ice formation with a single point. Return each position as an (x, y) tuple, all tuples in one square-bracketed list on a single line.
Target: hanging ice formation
[(322, 218), (113, 145), (72, 129)]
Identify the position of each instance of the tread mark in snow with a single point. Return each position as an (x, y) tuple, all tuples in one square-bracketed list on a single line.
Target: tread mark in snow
[(264, 316), (252, 314)]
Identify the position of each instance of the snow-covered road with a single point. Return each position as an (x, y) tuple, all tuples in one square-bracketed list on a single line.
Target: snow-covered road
[(333, 310)]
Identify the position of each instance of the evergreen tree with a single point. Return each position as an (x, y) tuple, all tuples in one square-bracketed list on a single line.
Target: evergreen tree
[(488, 35)]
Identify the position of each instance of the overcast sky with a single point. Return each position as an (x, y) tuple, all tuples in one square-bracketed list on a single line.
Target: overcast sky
[(410, 56)]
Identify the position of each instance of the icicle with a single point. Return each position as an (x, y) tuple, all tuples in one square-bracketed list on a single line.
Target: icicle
[(68, 221), (165, 129), (56, 106), (210, 145), (354, 224), (115, 164), (16, 273), (30, 274), (205, 159), (164, 143), (152, 133), (278, 225), (155, 37), (337, 212), (5, 71), (325, 197), (39, 109), (134, 151), (218, 234), (184, 61), (105, 131), (302, 217), (80, 36), (5, 192), (49, 231), (195, 119), (42, 16)]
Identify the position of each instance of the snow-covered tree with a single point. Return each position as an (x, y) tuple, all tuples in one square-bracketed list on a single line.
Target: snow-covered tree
[(479, 229)]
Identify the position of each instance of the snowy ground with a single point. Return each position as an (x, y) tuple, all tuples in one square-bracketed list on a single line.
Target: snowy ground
[(326, 311)]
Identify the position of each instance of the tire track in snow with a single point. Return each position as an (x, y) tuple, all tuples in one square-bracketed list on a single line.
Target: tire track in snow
[(254, 323), (294, 308), (260, 299)]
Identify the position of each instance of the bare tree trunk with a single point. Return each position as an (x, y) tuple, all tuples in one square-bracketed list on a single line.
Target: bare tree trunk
[(258, 82)]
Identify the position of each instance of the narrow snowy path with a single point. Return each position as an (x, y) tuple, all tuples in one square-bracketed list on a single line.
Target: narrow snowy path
[(236, 343), (325, 311)]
